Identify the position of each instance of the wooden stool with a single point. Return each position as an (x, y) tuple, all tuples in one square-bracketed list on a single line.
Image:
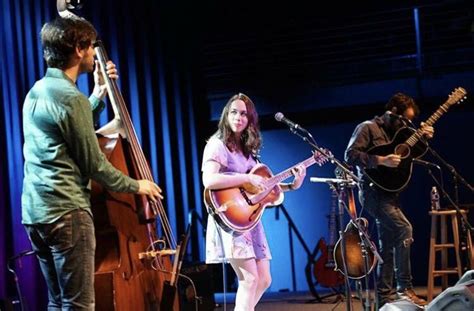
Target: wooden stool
[(443, 248)]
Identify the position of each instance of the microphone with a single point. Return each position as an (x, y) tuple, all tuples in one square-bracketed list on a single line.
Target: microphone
[(348, 182), (394, 115), (401, 118), (425, 163), (280, 117)]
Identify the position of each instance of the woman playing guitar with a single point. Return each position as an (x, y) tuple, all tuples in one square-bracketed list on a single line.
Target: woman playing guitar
[(233, 149)]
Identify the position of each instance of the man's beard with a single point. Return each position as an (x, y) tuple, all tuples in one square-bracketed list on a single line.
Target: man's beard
[(87, 67)]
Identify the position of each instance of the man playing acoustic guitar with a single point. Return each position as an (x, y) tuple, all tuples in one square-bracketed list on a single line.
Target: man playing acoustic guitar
[(394, 229)]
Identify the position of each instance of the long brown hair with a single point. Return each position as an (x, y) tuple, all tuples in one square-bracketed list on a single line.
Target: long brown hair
[(250, 139)]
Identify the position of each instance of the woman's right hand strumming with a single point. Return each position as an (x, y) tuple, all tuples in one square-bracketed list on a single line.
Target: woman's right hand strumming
[(150, 189), (255, 183)]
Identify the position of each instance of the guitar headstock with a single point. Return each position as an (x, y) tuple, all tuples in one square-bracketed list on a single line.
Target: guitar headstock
[(322, 158), (456, 96)]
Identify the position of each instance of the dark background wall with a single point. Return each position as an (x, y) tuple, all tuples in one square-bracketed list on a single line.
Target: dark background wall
[(325, 67)]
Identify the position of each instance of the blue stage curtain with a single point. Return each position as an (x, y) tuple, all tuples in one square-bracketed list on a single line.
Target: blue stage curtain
[(154, 59)]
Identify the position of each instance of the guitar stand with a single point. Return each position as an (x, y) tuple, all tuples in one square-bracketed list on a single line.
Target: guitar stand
[(365, 246), (340, 186), (353, 179), (310, 255), (336, 291)]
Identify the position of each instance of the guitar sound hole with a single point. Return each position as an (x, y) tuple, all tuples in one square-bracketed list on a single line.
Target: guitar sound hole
[(402, 150)]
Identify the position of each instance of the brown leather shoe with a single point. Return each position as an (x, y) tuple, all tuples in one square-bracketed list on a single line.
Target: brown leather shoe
[(409, 294)]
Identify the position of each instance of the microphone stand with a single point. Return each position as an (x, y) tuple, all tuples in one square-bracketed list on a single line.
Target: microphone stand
[(445, 194), (456, 176), (466, 227), (15, 277), (309, 139)]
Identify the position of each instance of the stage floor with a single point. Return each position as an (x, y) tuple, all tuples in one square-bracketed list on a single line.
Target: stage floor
[(286, 301)]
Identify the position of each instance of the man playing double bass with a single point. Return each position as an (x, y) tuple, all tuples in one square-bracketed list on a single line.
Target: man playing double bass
[(394, 229), (61, 155)]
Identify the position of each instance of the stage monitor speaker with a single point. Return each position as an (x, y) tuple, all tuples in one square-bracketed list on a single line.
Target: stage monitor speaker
[(400, 305), (467, 277), (458, 297), (202, 276)]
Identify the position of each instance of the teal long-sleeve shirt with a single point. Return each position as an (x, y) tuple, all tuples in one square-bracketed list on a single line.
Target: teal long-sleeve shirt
[(62, 152)]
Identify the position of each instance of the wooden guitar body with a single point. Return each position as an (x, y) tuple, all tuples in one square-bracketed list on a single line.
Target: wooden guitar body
[(355, 261), (396, 179), (239, 209), (122, 280)]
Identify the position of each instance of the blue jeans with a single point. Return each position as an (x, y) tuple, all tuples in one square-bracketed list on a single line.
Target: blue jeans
[(66, 251), (395, 238)]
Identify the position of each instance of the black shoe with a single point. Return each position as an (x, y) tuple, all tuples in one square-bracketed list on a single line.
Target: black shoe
[(409, 294)]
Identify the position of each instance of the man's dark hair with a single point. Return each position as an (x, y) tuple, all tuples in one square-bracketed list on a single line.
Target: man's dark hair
[(60, 38), (402, 102)]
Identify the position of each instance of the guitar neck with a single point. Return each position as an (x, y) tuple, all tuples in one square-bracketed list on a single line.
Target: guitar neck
[(457, 95), (415, 137), (287, 173)]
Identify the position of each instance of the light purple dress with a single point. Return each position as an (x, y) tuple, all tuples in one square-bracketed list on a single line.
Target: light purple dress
[(220, 245)]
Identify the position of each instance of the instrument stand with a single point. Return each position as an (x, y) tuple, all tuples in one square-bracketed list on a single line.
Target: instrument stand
[(336, 291), (20, 301), (365, 245), (366, 302), (310, 255), (340, 186), (350, 181)]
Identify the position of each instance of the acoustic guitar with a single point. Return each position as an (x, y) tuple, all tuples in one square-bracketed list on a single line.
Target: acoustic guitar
[(407, 143), (239, 209)]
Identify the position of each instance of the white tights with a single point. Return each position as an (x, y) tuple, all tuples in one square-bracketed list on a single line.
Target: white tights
[(254, 278)]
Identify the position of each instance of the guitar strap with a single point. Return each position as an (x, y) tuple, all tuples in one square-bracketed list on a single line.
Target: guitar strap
[(256, 157)]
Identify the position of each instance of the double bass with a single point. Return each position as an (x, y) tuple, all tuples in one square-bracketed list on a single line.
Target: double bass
[(133, 270)]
